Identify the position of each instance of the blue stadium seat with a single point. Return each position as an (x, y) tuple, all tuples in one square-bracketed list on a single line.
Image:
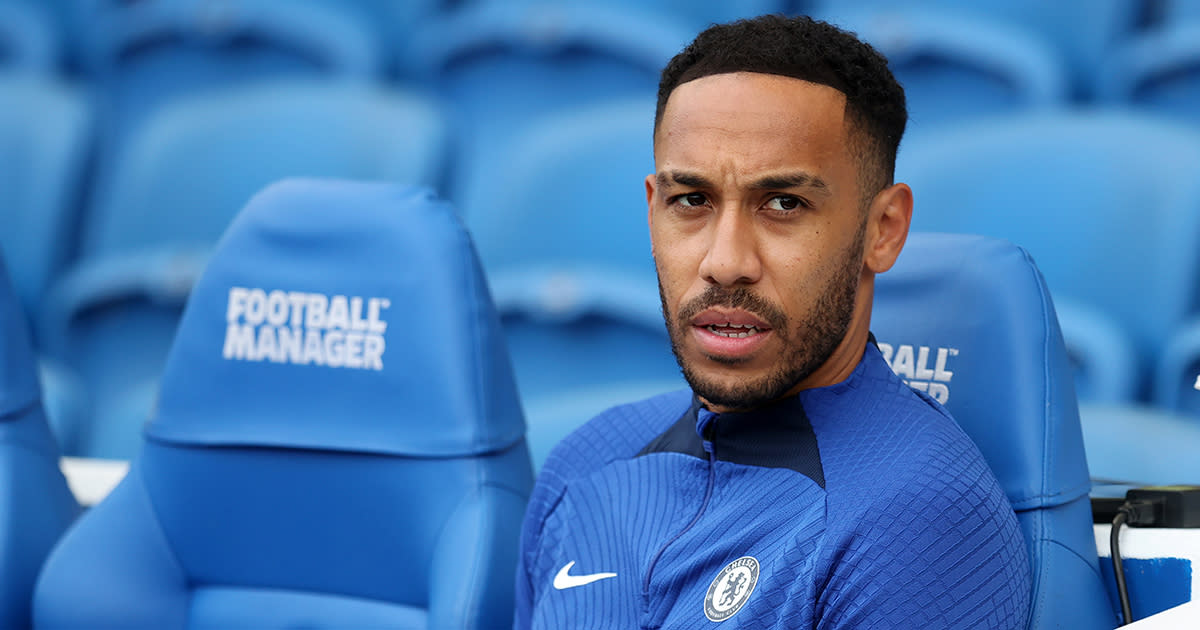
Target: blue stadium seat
[(1108, 203), (393, 23), (28, 42), (372, 475), (1082, 32), (502, 66), (1177, 375), (45, 131), (184, 176), (562, 233), (1139, 445), (1102, 355), (1157, 72), (969, 320), (693, 14), (141, 56), (960, 66), (35, 504)]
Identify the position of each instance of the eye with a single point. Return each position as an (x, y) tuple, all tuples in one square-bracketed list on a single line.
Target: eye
[(786, 203), (690, 200)]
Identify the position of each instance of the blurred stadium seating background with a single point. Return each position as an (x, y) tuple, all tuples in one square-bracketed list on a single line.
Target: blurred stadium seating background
[(131, 131)]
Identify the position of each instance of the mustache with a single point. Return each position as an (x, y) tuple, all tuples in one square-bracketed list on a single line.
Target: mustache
[(740, 298)]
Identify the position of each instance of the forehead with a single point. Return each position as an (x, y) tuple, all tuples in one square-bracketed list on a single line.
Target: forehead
[(755, 117)]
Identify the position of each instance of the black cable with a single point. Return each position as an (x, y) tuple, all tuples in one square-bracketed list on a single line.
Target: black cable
[(1118, 569)]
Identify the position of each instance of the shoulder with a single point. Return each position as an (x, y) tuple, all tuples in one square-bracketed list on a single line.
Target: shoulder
[(913, 510), (619, 432), (877, 434)]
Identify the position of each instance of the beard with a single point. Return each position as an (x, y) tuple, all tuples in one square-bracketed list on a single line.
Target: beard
[(807, 342)]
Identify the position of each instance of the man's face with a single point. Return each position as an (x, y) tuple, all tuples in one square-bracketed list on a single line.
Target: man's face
[(757, 230)]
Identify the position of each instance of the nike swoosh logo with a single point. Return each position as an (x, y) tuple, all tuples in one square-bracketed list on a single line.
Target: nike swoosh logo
[(564, 579)]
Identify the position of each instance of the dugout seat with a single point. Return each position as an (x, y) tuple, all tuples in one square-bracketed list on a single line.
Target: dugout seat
[(1108, 203), (35, 503), (110, 317), (969, 320), (338, 440)]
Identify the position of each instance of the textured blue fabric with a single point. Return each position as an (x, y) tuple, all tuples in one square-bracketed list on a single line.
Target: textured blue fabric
[(373, 478), (969, 320), (910, 530)]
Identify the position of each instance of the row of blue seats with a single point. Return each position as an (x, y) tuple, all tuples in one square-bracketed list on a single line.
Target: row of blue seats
[(382, 484), (559, 221), (1068, 49), (954, 61)]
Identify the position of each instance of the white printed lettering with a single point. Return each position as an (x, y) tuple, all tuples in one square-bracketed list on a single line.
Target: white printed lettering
[(239, 342), (922, 370), (374, 306), (277, 308), (237, 304), (305, 328), (373, 347), (256, 307), (290, 345), (903, 364), (314, 313), (940, 373), (353, 350)]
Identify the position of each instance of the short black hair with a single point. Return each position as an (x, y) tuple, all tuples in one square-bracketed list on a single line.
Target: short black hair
[(814, 51)]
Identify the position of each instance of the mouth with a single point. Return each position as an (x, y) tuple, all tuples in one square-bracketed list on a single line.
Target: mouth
[(733, 331), (729, 333)]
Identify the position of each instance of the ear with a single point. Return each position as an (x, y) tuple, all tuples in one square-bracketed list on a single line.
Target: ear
[(650, 184), (887, 229)]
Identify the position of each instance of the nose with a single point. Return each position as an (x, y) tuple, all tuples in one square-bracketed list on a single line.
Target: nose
[(732, 256)]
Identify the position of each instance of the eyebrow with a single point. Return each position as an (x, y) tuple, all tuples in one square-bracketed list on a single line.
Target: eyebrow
[(769, 182), (682, 178), (790, 180)]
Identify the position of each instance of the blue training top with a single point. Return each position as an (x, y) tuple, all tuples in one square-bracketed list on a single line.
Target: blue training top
[(857, 505)]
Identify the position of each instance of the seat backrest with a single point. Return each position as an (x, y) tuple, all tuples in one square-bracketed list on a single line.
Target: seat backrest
[(1157, 72), (1177, 375), (141, 56), (1108, 204), (956, 66), (502, 66), (188, 170), (573, 277), (968, 319), (28, 41), (1080, 31), (185, 175), (35, 504), (45, 134), (338, 440)]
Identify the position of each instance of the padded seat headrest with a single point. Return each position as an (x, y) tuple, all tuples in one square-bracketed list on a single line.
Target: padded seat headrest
[(19, 386), (969, 320), (342, 316)]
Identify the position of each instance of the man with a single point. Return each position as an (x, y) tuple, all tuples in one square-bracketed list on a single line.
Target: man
[(800, 483)]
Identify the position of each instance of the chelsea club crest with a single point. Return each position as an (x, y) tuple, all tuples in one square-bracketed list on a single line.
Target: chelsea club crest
[(731, 588)]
